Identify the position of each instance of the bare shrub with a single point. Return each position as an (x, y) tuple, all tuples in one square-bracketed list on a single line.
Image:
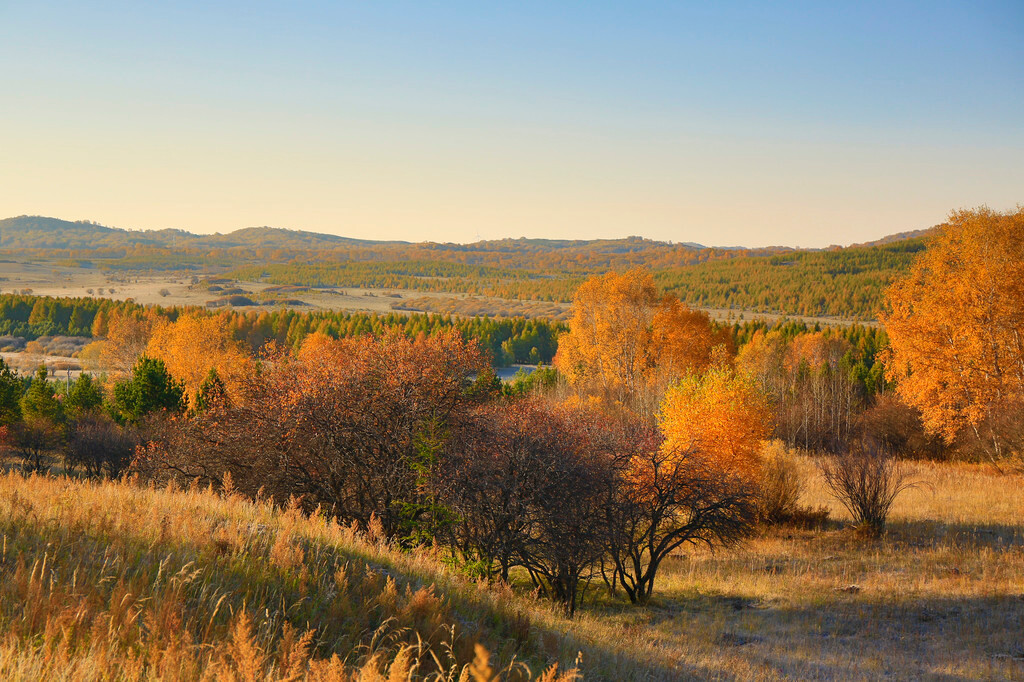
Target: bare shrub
[(31, 440), (165, 292), (529, 485), (99, 447), (866, 479), (667, 499)]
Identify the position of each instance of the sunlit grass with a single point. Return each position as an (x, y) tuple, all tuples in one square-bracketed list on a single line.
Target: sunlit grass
[(942, 594), (118, 581)]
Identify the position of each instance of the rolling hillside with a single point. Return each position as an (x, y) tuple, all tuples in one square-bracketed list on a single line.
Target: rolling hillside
[(836, 282)]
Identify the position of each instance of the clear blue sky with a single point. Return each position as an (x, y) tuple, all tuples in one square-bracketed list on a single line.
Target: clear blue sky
[(724, 123)]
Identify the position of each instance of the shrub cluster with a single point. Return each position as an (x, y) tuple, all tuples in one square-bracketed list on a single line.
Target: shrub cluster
[(412, 440)]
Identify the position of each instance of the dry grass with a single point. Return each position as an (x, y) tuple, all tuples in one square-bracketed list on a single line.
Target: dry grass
[(115, 581), (940, 597)]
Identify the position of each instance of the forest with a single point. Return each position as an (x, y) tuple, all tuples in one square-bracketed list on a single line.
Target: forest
[(369, 501), (835, 282)]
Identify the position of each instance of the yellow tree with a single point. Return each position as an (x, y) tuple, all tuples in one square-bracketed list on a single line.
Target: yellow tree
[(608, 349), (128, 334), (721, 415), (623, 338), (193, 345), (956, 327)]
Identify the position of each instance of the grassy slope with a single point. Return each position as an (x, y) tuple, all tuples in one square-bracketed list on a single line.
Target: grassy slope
[(114, 580), (139, 582)]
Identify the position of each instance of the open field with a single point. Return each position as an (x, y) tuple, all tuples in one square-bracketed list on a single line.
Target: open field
[(131, 581), (47, 280), (52, 279), (941, 597)]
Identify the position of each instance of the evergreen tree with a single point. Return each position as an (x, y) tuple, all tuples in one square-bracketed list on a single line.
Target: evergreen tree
[(39, 401), (84, 395), (10, 395), (211, 392), (150, 387)]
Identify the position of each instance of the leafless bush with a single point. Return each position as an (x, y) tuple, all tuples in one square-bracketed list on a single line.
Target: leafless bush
[(866, 479), (32, 439), (99, 446), (668, 499), (11, 344), (165, 292), (529, 485)]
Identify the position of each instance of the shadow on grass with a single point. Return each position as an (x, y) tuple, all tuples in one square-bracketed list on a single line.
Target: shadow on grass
[(849, 636), (931, 533)]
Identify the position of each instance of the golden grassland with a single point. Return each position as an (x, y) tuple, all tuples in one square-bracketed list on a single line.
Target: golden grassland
[(117, 581), (940, 597)]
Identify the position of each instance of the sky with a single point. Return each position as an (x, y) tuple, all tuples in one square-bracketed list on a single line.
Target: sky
[(732, 123)]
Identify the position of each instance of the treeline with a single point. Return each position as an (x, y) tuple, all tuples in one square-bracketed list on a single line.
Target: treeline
[(34, 316), (418, 276), (842, 283), (508, 340)]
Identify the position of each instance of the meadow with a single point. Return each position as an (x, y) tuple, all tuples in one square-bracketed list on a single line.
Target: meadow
[(113, 580)]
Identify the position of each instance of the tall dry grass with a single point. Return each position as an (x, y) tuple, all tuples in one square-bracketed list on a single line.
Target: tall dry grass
[(115, 581)]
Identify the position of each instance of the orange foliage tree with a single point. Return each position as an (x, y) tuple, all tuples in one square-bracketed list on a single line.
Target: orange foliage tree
[(956, 328), (721, 414), (351, 425), (623, 338), (128, 334), (684, 339), (193, 345)]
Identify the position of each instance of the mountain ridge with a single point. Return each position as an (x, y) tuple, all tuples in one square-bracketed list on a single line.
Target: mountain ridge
[(78, 234)]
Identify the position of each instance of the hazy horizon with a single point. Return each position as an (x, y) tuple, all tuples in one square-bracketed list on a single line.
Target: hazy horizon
[(463, 242), (759, 125)]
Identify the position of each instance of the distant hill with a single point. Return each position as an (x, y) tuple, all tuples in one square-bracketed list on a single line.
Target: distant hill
[(840, 281), (900, 236), (37, 232), (40, 232)]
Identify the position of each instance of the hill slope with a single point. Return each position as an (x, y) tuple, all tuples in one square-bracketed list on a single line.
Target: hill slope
[(115, 581)]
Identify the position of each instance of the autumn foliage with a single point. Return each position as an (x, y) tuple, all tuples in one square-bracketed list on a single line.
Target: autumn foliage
[(956, 325), (192, 345), (349, 425), (625, 340), (815, 386), (721, 414)]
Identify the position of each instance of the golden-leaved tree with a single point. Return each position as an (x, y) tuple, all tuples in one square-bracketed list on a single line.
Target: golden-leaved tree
[(956, 328), (193, 345), (609, 345), (128, 334), (722, 415), (624, 338)]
